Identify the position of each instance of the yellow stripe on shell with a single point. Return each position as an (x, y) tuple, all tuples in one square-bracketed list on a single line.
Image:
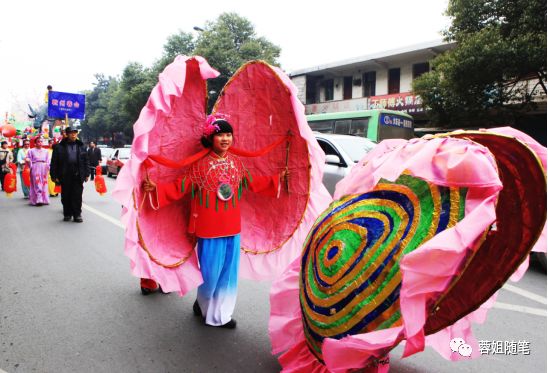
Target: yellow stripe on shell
[(327, 330), (350, 277), (356, 281)]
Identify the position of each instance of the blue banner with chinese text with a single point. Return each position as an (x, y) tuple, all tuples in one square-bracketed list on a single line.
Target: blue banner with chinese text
[(61, 103)]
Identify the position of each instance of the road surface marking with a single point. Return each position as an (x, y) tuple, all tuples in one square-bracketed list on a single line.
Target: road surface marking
[(116, 222), (514, 307), (524, 293), (499, 305)]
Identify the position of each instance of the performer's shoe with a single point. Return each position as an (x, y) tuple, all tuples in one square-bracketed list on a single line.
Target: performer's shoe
[(196, 308), (229, 325), (67, 218), (78, 219), (146, 291)]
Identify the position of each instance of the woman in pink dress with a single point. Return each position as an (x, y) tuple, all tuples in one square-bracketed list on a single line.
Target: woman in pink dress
[(38, 159)]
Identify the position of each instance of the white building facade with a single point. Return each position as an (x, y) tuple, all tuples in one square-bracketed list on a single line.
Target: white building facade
[(381, 80)]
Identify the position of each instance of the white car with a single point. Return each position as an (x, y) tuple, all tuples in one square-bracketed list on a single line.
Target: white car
[(116, 161), (341, 153), (105, 154)]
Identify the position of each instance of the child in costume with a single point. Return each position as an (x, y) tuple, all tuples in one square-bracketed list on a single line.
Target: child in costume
[(215, 183)]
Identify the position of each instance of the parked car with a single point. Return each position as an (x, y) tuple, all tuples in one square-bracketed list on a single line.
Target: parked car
[(106, 153), (341, 153), (117, 160)]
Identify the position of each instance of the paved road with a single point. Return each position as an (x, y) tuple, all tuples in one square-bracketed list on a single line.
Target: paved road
[(69, 304)]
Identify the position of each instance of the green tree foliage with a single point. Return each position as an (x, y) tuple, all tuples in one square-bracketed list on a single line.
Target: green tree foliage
[(97, 107), (500, 44), (227, 43), (182, 43), (135, 87)]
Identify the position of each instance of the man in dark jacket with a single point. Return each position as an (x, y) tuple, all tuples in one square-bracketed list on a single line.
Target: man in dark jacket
[(94, 155), (70, 168)]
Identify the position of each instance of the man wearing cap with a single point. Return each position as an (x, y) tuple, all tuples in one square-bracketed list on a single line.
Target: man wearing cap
[(70, 169)]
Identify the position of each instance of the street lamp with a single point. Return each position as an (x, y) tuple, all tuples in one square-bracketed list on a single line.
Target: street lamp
[(196, 28)]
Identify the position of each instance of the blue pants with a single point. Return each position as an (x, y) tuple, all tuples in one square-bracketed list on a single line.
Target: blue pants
[(219, 260)]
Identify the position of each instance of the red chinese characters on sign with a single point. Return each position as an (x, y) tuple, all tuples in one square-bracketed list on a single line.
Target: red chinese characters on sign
[(399, 101)]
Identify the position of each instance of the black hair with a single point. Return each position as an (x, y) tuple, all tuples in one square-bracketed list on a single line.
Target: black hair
[(3, 142), (224, 127)]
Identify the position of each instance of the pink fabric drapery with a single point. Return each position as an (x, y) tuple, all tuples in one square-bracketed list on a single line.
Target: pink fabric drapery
[(263, 107), (443, 161)]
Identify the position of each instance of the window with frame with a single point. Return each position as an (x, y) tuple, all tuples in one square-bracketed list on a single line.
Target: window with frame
[(343, 126), (359, 127), (420, 68), (327, 148), (311, 97), (347, 88), (329, 89), (369, 79), (394, 80), (323, 126)]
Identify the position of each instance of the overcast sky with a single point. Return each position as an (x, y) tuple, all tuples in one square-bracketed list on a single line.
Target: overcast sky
[(65, 43)]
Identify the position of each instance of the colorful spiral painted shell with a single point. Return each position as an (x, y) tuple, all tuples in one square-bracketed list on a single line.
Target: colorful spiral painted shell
[(350, 278)]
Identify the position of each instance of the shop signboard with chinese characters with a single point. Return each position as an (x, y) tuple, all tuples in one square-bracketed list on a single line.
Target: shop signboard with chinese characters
[(337, 106), (61, 104), (405, 101)]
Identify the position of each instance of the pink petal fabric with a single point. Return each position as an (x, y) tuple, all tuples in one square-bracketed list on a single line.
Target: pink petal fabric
[(262, 104), (155, 129), (425, 272), (462, 328), (167, 126), (284, 326)]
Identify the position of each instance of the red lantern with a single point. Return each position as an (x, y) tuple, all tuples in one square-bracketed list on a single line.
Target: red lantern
[(98, 170), (10, 180), (8, 130), (26, 176), (100, 185)]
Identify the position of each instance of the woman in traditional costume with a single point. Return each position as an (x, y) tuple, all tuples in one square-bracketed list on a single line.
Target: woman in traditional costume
[(216, 183), (38, 159)]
